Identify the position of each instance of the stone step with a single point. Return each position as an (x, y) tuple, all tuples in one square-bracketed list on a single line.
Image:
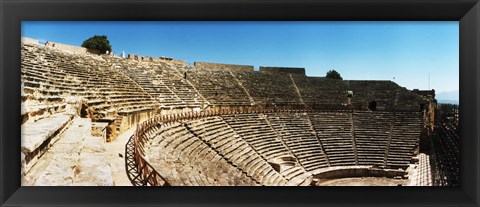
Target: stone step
[(63, 156), (38, 136)]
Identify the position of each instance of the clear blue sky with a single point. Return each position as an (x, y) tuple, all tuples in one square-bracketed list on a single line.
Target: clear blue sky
[(408, 51)]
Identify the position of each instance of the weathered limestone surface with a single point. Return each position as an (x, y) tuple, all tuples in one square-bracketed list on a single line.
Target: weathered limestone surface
[(59, 172), (117, 163), (77, 158), (65, 153), (34, 134), (93, 167)]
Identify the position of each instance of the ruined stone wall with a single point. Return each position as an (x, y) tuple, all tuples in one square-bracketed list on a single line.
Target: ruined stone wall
[(429, 94), (157, 60), (131, 119), (27, 40), (220, 66), (300, 71), (69, 48), (170, 61)]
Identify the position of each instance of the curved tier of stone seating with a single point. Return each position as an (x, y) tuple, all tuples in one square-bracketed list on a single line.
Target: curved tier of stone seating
[(267, 89), (334, 130), (50, 76), (164, 82), (151, 83), (210, 152), (219, 87), (256, 131), (372, 131), (221, 137), (275, 148), (319, 92), (405, 138), (109, 90), (39, 100), (180, 86), (184, 159), (383, 92), (300, 138)]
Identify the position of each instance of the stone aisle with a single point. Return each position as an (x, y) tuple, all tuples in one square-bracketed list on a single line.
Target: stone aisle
[(76, 158), (116, 155)]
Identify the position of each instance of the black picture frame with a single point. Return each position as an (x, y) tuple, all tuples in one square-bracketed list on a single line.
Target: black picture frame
[(12, 12)]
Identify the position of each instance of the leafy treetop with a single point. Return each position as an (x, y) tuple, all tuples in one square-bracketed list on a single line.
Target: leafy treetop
[(99, 43), (333, 74)]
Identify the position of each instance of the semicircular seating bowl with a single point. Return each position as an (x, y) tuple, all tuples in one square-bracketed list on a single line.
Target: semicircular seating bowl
[(279, 148), (254, 148)]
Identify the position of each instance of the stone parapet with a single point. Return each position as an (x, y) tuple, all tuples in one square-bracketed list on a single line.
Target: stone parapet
[(221, 66), (300, 71)]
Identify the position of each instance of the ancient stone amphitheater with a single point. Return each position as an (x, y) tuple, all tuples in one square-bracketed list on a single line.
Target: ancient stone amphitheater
[(207, 124)]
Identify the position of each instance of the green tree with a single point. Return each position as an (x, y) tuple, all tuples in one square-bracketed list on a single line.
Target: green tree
[(333, 74), (98, 43)]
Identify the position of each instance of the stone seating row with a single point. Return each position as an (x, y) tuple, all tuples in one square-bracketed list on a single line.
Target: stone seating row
[(300, 138), (52, 72), (315, 90), (218, 86), (267, 89), (238, 154), (372, 130), (258, 134), (245, 143), (171, 76), (174, 90), (222, 138), (265, 142), (183, 159), (150, 82), (405, 138), (334, 132), (164, 81)]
